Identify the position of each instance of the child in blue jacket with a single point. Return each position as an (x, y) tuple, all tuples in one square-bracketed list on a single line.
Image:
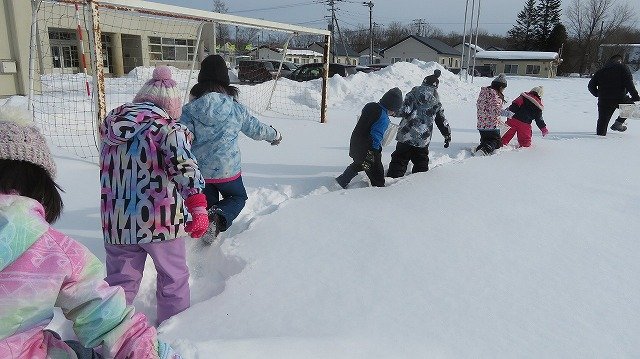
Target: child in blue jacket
[(366, 140), (216, 119)]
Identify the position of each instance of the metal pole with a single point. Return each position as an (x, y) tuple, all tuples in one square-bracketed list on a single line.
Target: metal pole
[(475, 50), (325, 79), (275, 82), (370, 5), (99, 88), (35, 5), (464, 38), (473, 7), (193, 64)]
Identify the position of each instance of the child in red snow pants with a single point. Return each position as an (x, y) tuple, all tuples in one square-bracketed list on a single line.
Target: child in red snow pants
[(519, 128)]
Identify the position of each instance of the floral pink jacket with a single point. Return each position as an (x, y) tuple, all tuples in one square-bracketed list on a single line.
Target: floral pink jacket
[(41, 268), (489, 108)]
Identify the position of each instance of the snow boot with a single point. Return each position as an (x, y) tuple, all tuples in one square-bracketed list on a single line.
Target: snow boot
[(214, 226), (342, 182), (619, 126)]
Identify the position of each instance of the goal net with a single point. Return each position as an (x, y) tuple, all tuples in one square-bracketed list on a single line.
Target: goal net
[(92, 56)]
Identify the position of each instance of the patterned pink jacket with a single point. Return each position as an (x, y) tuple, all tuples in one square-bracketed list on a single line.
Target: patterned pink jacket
[(489, 108), (40, 268)]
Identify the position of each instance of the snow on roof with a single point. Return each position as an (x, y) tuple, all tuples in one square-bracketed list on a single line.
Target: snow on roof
[(302, 52), (517, 55), (473, 46)]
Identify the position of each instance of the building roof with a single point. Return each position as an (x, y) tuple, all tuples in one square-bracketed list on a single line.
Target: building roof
[(435, 44), (517, 55), (302, 52), (495, 48), (473, 46), (339, 49)]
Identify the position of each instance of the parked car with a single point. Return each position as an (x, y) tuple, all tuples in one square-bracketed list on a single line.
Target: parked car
[(377, 67), (365, 69), (314, 71), (287, 67), (256, 71)]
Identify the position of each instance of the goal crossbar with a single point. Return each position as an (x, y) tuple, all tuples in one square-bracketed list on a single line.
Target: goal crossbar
[(153, 8)]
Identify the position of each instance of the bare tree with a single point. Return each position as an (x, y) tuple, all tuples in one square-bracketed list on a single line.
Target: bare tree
[(592, 22), (222, 31)]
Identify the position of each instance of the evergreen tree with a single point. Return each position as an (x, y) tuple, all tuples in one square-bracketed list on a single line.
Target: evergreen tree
[(548, 18), (522, 35), (556, 39)]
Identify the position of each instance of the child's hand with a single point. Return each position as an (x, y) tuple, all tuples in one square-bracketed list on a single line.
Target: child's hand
[(369, 159), (278, 138), (544, 131), (447, 140)]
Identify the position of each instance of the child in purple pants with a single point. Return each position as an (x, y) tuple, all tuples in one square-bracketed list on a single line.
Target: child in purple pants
[(148, 176)]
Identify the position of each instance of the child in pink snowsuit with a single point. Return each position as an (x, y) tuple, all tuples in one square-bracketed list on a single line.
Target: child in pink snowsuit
[(150, 179), (526, 109), (41, 268)]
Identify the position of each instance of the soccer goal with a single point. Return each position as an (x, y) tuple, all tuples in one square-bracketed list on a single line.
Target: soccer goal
[(90, 56)]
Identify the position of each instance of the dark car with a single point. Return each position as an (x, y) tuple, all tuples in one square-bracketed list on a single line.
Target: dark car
[(365, 69), (256, 71), (314, 71), (377, 67)]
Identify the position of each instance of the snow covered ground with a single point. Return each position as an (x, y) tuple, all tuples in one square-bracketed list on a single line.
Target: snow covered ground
[(529, 253)]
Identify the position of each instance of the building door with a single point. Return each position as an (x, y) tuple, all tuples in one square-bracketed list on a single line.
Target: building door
[(65, 58)]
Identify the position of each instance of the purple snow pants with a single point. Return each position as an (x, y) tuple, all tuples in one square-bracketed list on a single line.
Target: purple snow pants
[(125, 264)]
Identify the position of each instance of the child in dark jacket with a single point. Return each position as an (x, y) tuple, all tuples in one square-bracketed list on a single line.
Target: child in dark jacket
[(366, 140), (421, 108), (526, 109), (489, 105)]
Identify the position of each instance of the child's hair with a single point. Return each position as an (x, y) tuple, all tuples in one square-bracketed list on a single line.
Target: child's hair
[(33, 181), (203, 88)]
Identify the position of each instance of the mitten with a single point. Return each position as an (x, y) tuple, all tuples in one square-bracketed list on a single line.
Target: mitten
[(544, 131), (369, 160), (278, 138), (447, 140), (165, 351), (197, 206)]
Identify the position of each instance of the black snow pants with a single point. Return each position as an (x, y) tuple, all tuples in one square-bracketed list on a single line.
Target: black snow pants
[(489, 141), (404, 153), (606, 107)]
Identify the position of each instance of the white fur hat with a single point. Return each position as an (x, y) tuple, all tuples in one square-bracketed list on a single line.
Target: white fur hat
[(539, 90)]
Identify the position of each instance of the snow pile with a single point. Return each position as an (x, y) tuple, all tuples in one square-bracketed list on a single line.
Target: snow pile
[(527, 253)]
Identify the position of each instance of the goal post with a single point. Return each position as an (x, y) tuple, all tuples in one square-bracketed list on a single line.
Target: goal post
[(126, 39)]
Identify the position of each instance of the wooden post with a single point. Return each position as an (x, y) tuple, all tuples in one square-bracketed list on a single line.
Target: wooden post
[(325, 79)]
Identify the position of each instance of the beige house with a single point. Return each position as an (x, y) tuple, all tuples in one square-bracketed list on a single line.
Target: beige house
[(523, 63), (421, 48)]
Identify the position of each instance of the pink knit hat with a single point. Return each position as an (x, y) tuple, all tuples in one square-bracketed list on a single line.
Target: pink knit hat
[(20, 139), (161, 90)]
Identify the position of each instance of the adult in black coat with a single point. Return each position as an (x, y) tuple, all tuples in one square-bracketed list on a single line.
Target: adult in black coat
[(365, 147), (610, 85)]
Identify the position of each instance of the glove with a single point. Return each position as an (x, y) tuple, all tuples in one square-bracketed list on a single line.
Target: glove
[(369, 160), (165, 351), (197, 206), (278, 138), (544, 131), (447, 140)]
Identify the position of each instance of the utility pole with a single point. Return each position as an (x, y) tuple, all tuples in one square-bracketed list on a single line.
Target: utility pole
[(418, 23), (332, 4), (370, 5)]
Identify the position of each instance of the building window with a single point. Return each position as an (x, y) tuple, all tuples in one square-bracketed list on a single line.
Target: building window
[(450, 61), (395, 59), (168, 49), (61, 35), (457, 64), (510, 69), (442, 60), (533, 69)]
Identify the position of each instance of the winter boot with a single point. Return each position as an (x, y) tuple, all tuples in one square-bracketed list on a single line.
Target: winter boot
[(619, 126), (214, 226), (342, 181)]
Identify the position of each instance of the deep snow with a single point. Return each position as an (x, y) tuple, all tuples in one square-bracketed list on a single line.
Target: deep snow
[(528, 253)]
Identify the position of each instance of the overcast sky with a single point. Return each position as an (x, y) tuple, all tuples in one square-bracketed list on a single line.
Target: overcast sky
[(496, 16)]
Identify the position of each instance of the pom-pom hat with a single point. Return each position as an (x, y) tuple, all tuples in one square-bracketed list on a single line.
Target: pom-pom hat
[(20, 139), (539, 90), (162, 91)]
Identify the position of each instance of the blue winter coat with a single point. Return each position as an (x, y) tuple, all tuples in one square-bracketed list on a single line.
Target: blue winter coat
[(216, 120)]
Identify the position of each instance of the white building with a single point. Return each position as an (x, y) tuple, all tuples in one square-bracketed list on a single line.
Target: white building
[(421, 48), (524, 63)]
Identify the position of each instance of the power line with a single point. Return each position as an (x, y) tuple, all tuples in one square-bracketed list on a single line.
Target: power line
[(275, 7)]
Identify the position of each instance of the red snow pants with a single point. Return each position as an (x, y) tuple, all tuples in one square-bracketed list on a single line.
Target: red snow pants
[(523, 130)]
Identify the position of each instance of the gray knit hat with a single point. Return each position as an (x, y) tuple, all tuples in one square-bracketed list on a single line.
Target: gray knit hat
[(20, 139), (500, 79)]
